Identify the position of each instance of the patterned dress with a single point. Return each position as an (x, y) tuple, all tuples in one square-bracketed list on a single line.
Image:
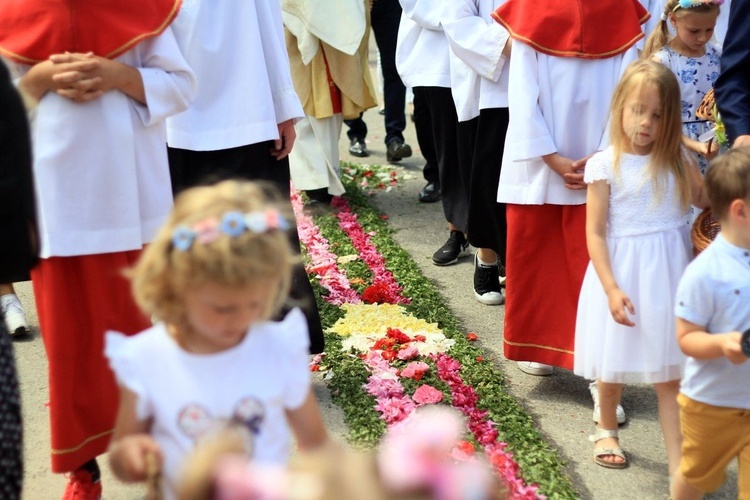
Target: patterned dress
[(696, 76)]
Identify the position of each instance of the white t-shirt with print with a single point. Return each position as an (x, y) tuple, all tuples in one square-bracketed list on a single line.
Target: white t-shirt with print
[(189, 394)]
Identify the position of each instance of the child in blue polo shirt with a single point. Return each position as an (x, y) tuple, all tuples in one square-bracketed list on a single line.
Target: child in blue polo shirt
[(713, 309)]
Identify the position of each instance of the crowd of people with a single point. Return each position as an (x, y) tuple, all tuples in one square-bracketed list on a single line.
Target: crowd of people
[(566, 151)]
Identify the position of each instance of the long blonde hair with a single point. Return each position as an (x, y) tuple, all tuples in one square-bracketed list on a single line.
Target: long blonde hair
[(164, 271), (661, 35), (667, 155)]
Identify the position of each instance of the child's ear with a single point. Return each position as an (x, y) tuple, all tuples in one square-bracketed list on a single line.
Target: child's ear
[(740, 210)]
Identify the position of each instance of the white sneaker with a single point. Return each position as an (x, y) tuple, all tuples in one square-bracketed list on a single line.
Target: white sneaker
[(534, 368), (13, 314), (594, 390)]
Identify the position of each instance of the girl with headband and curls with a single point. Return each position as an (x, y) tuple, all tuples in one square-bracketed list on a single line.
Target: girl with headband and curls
[(214, 276), (694, 59)]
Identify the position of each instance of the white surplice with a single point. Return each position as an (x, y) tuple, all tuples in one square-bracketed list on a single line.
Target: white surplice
[(476, 61), (557, 104), (422, 49), (101, 169), (236, 49)]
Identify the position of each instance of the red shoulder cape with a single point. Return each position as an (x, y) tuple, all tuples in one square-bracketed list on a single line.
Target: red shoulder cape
[(589, 29), (32, 30)]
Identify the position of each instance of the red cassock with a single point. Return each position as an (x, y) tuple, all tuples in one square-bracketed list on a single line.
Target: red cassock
[(574, 28), (79, 297), (547, 256), (32, 30)]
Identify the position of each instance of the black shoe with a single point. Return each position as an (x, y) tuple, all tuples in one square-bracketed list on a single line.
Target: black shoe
[(501, 270), (397, 150), (430, 193), (358, 148), (448, 253), (487, 284)]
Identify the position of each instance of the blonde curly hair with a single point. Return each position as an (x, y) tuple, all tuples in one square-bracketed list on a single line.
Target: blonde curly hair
[(164, 272)]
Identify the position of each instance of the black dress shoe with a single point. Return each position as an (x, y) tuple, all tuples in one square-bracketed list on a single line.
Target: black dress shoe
[(397, 150), (358, 148), (430, 193)]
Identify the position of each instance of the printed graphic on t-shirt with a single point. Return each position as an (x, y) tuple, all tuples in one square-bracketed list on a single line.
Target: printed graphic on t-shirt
[(196, 421)]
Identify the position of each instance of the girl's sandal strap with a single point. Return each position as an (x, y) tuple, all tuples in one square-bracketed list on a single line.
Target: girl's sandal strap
[(603, 434), (599, 453)]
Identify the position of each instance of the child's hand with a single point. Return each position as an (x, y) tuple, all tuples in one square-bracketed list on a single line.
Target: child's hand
[(619, 306), (569, 170), (709, 149), (283, 145), (731, 348), (40, 79), (128, 456), (83, 85), (75, 78)]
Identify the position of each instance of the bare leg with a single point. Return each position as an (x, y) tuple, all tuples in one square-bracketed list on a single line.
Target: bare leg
[(487, 255), (669, 419), (6, 288), (609, 396), (683, 491)]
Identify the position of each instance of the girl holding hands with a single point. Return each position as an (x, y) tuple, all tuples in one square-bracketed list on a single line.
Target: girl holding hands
[(639, 192), (216, 273)]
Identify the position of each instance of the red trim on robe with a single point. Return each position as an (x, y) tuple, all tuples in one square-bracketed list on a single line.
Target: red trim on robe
[(588, 29), (32, 30), (546, 261)]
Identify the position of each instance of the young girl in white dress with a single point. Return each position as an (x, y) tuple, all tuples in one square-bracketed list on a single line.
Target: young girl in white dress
[(639, 191), (694, 60), (214, 275)]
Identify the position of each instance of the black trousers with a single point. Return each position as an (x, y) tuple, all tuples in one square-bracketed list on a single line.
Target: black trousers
[(453, 180), (423, 127), (481, 143), (385, 17), (253, 162)]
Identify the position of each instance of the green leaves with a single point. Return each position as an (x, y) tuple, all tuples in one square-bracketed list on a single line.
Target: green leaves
[(539, 462)]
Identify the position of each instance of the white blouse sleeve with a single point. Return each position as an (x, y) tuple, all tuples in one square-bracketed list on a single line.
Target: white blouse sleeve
[(118, 348), (478, 44), (295, 341), (598, 168), (168, 81)]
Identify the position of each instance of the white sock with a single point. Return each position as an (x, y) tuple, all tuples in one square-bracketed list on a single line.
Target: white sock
[(485, 264)]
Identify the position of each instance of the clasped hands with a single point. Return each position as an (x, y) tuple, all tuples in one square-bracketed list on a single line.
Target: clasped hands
[(76, 76), (570, 170)]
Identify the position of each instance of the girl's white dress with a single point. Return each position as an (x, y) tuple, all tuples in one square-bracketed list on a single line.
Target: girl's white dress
[(649, 248)]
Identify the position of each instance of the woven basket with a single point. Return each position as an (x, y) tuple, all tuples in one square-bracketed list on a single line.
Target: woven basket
[(705, 229), (707, 108)]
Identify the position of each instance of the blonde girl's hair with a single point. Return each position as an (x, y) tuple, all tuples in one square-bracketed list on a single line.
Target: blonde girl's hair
[(728, 179), (667, 154), (661, 36), (265, 258)]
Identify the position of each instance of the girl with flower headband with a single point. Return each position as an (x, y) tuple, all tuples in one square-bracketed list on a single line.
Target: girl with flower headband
[(216, 272), (694, 59)]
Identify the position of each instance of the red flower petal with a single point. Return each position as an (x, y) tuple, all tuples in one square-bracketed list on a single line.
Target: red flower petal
[(471, 336)]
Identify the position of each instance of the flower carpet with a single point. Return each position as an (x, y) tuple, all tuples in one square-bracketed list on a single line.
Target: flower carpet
[(392, 345)]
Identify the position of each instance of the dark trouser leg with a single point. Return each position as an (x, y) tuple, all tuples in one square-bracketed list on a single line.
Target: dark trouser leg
[(11, 446), (385, 18), (252, 162), (423, 126), (487, 227), (453, 182), (357, 128)]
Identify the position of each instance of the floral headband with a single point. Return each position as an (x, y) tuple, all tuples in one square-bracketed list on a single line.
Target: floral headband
[(689, 4), (232, 224)]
